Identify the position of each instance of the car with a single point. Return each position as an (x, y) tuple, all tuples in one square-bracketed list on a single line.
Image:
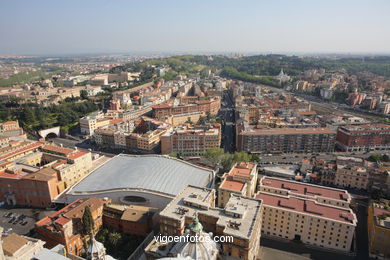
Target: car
[(6, 214), (11, 220), (24, 223)]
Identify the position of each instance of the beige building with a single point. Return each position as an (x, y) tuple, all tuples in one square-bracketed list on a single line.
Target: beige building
[(18, 247), (351, 173), (180, 119), (241, 180), (311, 214), (240, 219), (378, 222)]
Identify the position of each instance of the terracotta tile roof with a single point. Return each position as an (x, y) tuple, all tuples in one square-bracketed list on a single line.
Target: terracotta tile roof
[(76, 154), (13, 243), (304, 189), (22, 150), (308, 207), (161, 106), (61, 221), (73, 210), (232, 185), (57, 149), (115, 121), (10, 123), (44, 174)]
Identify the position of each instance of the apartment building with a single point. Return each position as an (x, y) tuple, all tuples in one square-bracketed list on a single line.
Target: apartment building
[(241, 219), (356, 177), (312, 214), (180, 119), (211, 106), (65, 226), (286, 140), (34, 173), (143, 134), (189, 141), (241, 179), (378, 221), (363, 137)]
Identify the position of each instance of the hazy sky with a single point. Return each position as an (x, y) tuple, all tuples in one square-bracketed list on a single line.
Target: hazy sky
[(91, 26)]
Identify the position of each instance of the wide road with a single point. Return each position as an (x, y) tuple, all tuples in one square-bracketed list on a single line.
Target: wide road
[(228, 128)]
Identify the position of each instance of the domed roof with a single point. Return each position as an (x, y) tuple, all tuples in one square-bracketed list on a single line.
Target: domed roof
[(197, 245), (205, 248)]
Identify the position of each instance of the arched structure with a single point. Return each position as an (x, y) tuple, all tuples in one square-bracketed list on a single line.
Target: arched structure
[(50, 132)]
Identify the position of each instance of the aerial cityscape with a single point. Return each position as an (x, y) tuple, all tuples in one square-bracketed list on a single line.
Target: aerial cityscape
[(219, 130)]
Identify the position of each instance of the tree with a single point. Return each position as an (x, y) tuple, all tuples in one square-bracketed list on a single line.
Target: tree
[(83, 94), (28, 115), (87, 221), (215, 155), (113, 239)]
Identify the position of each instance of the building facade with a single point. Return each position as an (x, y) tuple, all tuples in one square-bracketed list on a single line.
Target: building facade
[(241, 179), (363, 137), (286, 140), (312, 214), (240, 219), (65, 226), (378, 222), (191, 140)]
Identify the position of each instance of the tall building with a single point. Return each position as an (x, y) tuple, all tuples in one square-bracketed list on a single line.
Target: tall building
[(379, 230), (286, 140), (312, 214), (240, 219), (241, 180), (363, 137)]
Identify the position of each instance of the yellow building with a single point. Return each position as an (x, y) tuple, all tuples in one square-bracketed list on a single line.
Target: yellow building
[(379, 230), (240, 219), (241, 180), (307, 213)]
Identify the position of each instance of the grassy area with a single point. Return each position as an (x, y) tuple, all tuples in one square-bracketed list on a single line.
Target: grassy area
[(24, 77)]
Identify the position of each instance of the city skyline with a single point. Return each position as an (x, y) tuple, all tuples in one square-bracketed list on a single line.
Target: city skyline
[(65, 28)]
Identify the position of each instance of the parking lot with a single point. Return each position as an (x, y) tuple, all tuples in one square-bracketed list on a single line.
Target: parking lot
[(21, 220)]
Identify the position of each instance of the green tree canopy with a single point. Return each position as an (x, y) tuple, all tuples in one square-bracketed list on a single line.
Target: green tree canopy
[(87, 221)]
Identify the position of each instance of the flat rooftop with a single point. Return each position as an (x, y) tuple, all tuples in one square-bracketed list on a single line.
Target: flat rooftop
[(304, 188), (154, 173), (290, 131), (308, 207), (198, 200)]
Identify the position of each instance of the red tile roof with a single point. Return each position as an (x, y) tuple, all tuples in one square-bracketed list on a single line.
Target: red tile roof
[(22, 150), (76, 154), (232, 185), (57, 149), (304, 188), (308, 207)]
